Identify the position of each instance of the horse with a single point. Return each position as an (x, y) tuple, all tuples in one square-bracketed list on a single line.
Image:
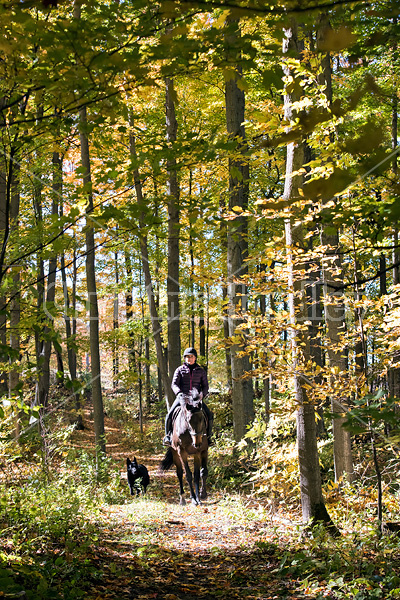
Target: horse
[(189, 438)]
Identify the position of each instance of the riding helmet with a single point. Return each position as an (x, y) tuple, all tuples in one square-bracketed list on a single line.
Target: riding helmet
[(190, 351)]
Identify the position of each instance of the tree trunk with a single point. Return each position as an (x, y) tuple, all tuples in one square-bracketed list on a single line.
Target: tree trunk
[(202, 329), (192, 321), (15, 308), (157, 287), (147, 369), (335, 313), (140, 383), (223, 232), (228, 357), (44, 340), (94, 339), (312, 503), (155, 320), (70, 335), (266, 378), (237, 249), (173, 192), (116, 326), (337, 356), (129, 311), (4, 217), (394, 372)]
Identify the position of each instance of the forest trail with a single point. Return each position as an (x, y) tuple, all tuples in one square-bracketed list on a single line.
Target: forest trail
[(150, 547)]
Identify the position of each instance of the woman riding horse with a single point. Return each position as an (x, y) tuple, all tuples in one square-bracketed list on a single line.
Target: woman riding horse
[(189, 438), (187, 377)]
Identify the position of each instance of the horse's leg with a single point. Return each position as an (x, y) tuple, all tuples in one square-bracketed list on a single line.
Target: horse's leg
[(197, 464), (189, 478), (203, 474), (179, 473)]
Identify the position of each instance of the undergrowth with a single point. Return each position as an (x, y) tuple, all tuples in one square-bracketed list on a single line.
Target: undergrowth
[(53, 515)]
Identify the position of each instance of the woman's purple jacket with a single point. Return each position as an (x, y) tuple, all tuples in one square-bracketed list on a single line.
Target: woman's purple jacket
[(184, 380)]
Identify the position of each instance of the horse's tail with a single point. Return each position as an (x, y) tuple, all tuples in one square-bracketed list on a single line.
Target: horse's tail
[(167, 461)]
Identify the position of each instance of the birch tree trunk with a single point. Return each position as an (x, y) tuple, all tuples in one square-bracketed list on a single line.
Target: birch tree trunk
[(237, 251)]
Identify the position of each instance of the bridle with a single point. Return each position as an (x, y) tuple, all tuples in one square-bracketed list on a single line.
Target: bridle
[(193, 411)]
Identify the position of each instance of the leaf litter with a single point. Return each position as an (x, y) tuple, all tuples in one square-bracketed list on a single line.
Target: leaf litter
[(151, 547)]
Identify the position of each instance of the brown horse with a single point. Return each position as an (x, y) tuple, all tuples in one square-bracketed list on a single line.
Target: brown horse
[(189, 438)]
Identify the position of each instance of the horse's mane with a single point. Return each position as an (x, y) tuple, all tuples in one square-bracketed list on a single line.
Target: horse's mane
[(191, 402)]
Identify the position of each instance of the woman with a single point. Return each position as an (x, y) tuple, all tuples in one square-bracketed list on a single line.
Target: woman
[(188, 376)]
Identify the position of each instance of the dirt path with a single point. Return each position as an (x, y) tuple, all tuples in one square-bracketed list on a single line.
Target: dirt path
[(153, 548)]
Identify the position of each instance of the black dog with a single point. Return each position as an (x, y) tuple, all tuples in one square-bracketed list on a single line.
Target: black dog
[(138, 476)]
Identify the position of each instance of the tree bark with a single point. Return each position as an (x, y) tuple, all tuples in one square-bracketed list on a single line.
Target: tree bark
[(147, 368), (70, 332), (129, 311), (173, 192), (337, 356), (116, 325), (394, 372), (335, 313), (202, 329), (144, 252), (94, 338), (237, 250), (223, 234), (312, 503), (15, 308), (44, 340), (4, 216)]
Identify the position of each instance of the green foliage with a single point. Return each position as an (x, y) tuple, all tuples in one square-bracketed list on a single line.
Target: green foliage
[(351, 567), (372, 413), (36, 517)]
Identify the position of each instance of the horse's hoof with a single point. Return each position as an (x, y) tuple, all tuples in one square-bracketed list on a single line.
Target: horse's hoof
[(203, 495), (182, 501), (195, 502)]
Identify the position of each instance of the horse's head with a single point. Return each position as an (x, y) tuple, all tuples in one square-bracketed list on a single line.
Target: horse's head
[(194, 400), (197, 427), (194, 417)]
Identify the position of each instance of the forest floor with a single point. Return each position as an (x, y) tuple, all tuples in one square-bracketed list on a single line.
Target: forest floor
[(151, 547)]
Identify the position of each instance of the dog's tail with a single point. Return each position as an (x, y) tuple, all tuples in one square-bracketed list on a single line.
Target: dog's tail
[(167, 461)]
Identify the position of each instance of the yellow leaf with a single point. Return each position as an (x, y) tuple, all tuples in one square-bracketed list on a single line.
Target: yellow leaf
[(220, 22), (242, 84), (337, 40)]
